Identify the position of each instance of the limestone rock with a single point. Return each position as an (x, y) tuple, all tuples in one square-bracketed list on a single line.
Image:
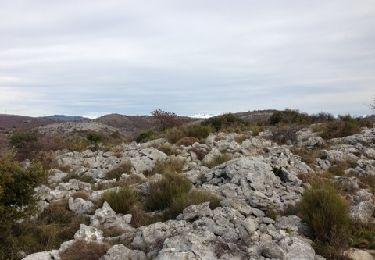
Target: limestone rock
[(120, 252)]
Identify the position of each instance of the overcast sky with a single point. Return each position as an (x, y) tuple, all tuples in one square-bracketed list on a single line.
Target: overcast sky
[(91, 57)]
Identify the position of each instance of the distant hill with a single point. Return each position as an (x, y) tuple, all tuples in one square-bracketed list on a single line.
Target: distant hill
[(129, 124), (67, 118)]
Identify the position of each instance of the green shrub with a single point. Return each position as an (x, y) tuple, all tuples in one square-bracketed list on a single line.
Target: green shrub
[(116, 172), (142, 218), (289, 116), (200, 132), (224, 121), (323, 209), (285, 134), (217, 160), (54, 226), (17, 187), (146, 136), (94, 139), (122, 200), (26, 144), (164, 191), (363, 236), (168, 166), (344, 126), (21, 139)]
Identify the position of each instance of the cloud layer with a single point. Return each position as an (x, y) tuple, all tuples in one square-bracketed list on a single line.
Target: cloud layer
[(91, 57)]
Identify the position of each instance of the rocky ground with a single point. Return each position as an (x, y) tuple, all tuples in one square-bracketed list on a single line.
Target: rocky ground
[(261, 177)]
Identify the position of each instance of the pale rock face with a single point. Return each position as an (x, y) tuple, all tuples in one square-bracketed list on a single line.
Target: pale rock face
[(107, 217), (363, 211), (307, 138), (45, 255), (196, 211), (357, 254), (289, 223), (260, 176), (120, 252), (88, 233), (188, 246), (80, 206), (297, 249)]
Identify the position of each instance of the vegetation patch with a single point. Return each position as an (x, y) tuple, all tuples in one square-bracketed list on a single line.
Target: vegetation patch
[(162, 193), (121, 200), (116, 172), (168, 166), (217, 160), (146, 136), (83, 250), (199, 132), (326, 212), (344, 126)]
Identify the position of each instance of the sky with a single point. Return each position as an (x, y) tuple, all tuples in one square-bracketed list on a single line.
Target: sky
[(94, 57)]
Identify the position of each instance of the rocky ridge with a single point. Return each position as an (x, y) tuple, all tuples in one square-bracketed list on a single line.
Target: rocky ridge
[(261, 177)]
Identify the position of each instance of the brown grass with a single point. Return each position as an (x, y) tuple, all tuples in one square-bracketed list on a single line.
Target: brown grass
[(82, 250), (116, 172), (217, 160)]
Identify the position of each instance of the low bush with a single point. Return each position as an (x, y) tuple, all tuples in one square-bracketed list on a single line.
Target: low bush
[(122, 200), (220, 123), (162, 193), (199, 132), (142, 218), (217, 160), (116, 172), (80, 177), (83, 250), (94, 138), (187, 141), (54, 226), (168, 166), (344, 126), (146, 136), (363, 236), (338, 169), (167, 148), (289, 116), (323, 209), (167, 119), (308, 156), (25, 143), (285, 134)]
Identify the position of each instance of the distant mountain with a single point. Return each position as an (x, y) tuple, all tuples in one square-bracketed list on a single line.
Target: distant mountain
[(66, 118)]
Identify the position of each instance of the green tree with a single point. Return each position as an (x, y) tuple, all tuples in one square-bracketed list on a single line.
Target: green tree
[(17, 198), (94, 138)]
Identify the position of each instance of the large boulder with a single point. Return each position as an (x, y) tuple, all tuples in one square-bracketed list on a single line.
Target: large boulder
[(80, 206), (107, 217)]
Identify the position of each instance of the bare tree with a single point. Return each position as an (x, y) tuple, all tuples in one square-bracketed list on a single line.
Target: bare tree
[(166, 119)]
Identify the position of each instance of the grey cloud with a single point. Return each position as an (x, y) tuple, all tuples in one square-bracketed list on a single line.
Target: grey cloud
[(92, 57)]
